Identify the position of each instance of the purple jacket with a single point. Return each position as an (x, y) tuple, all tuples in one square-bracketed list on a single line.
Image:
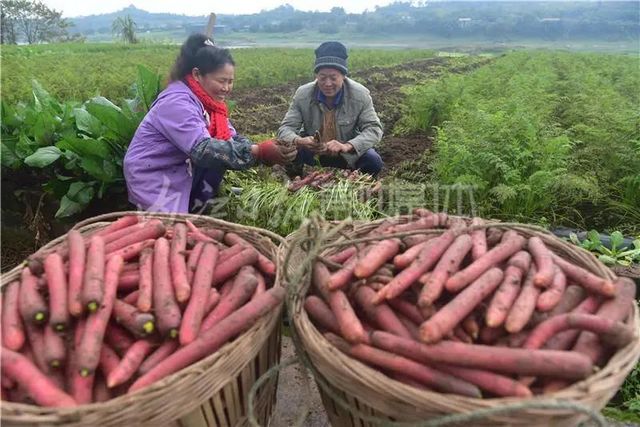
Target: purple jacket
[(157, 168)]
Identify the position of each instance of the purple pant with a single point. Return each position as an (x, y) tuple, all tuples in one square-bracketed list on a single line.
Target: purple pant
[(370, 162)]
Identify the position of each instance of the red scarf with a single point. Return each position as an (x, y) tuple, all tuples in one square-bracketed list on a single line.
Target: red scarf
[(218, 113)]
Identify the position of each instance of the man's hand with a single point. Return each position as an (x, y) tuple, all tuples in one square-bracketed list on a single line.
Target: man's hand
[(310, 144), (336, 147)]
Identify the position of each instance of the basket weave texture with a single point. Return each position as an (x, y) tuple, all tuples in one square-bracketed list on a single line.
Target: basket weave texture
[(372, 398), (209, 393)]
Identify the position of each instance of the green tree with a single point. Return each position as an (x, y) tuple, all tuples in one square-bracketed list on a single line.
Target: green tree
[(125, 28), (31, 21)]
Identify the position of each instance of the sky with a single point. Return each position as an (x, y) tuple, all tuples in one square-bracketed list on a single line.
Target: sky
[(73, 8)]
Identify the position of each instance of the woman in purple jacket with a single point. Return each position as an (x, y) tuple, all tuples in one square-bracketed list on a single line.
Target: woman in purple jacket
[(185, 143)]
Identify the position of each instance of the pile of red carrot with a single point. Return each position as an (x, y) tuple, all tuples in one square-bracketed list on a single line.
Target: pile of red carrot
[(479, 312), (116, 310), (318, 179)]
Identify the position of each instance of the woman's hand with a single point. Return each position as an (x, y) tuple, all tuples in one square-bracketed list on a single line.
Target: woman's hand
[(273, 153)]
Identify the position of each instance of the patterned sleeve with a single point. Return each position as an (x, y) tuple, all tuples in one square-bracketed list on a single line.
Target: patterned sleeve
[(233, 154)]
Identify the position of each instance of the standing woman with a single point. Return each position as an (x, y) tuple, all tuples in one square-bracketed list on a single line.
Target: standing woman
[(185, 143)]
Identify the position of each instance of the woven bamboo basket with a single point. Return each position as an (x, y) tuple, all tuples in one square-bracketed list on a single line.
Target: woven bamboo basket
[(354, 394), (210, 393)]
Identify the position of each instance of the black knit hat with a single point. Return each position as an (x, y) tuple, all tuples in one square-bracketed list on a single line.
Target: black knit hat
[(331, 55)]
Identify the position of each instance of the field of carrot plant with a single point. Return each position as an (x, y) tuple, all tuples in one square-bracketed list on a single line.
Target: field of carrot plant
[(549, 138), (80, 71)]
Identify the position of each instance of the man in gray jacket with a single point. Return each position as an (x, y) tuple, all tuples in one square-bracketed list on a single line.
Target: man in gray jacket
[(333, 117)]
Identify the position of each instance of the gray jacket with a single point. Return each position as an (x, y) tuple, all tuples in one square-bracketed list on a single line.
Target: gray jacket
[(356, 119)]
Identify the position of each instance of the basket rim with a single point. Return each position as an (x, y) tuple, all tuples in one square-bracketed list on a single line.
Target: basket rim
[(263, 328)]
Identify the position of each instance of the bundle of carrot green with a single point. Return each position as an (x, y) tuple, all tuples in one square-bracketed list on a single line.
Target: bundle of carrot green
[(318, 179), (476, 311), (114, 311)]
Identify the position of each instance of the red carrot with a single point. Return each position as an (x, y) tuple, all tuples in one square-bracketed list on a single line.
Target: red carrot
[(489, 335), (210, 341), (133, 250), (138, 323), (560, 364), (380, 314), (57, 285), (612, 332), (321, 314), (197, 233), (195, 311), (376, 257), (119, 224), (231, 266), (152, 230), (130, 363), (244, 285), (407, 257), (227, 253), (165, 350), (54, 348), (524, 305), (109, 359), (77, 256), (33, 308), (429, 255), (118, 338), (342, 277), (497, 384), (589, 281), (565, 340), (471, 326), (448, 265), (179, 276), (504, 297), (479, 239), (264, 264), (551, 297), (261, 287), (214, 233), (494, 256), (343, 255), (101, 392), (145, 297), (168, 316), (616, 309), (422, 223), (407, 309), (129, 280), (89, 351), (460, 306), (192, 262), (544, 262), (13, 336), (213, 300), (43, 391), (522, 260), (93, 281), (421, 373)]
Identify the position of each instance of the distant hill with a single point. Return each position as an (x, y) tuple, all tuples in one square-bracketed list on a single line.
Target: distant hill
[(548, 20), (93, 24)]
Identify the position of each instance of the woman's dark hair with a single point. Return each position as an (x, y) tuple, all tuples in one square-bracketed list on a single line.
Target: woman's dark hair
[(199, 52)]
